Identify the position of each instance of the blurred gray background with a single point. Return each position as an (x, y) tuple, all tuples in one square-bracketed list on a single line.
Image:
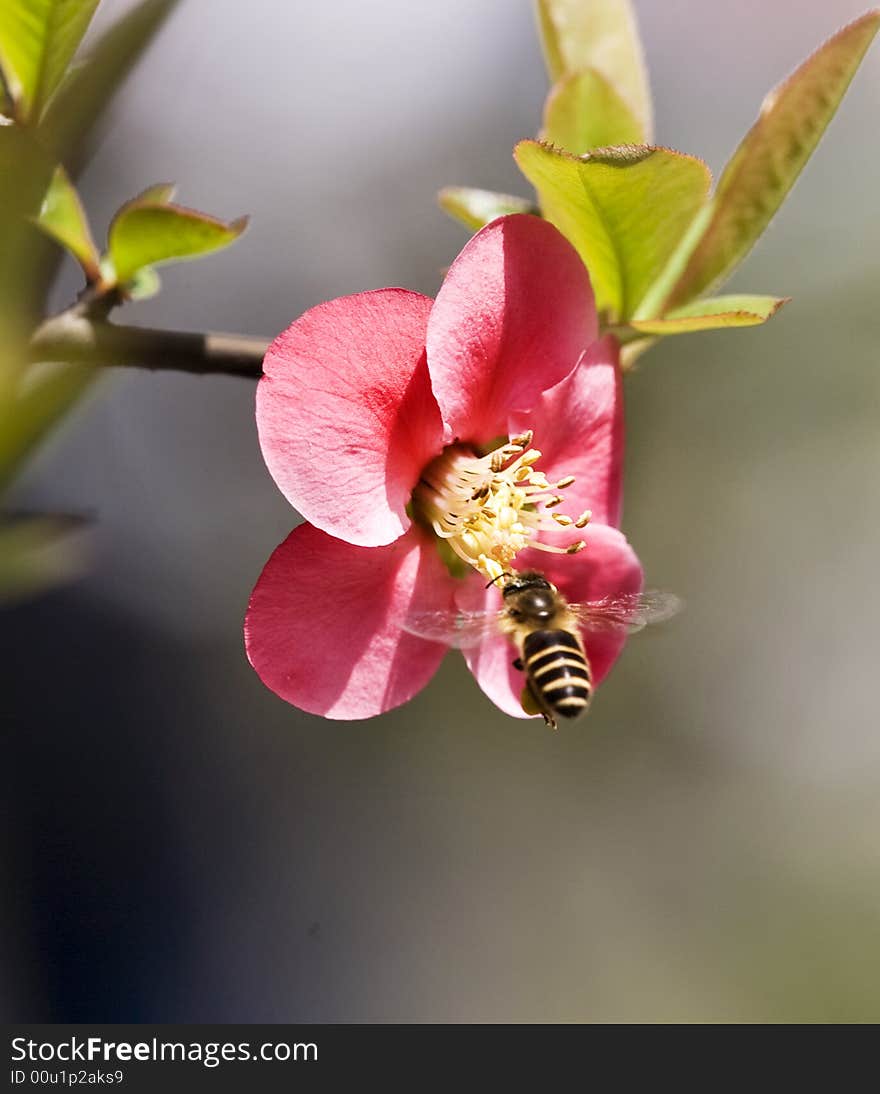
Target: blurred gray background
[(704, 847)]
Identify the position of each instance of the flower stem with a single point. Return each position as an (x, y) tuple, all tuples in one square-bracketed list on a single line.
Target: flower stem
[(76, 335)]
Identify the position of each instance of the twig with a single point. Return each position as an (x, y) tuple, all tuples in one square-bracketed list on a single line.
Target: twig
[(76, 335)]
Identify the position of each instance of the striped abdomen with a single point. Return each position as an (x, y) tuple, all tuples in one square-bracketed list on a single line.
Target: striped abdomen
[(557, 671)]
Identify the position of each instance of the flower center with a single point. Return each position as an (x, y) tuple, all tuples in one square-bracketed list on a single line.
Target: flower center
[(489, 508)]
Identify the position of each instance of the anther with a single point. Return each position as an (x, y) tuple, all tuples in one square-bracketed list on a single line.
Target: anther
[(489, 508), (490, 568), (584, 519), (575, 547)]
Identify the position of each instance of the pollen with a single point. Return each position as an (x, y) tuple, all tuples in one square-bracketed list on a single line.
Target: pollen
[(490, 507)]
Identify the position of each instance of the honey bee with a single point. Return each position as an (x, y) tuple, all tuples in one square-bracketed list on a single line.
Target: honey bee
[(545, 629)]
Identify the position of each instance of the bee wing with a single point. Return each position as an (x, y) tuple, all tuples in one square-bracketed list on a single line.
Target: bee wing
[(628, 613), (460, 629)]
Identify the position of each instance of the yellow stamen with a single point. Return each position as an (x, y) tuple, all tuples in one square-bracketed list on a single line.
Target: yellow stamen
[(489, 508)]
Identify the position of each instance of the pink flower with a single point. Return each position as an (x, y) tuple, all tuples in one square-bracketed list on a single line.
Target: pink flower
[(400, 428)]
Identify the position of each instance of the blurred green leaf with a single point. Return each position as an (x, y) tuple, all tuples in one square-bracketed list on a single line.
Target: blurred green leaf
[(147, 233), (38, 38), (476, 208), (89, 87), (583, 111), (601, 35), (624, 210), (765, 166), (34, 399), (63, 218), (25, 172), (41, 398), (144, 284), (713, 312), (39, 552)]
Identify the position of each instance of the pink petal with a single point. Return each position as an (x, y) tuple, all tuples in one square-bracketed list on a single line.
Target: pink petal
[(608, 567), (511, 320), (578, 426), (319, 628), (492, 661), (345, 413)]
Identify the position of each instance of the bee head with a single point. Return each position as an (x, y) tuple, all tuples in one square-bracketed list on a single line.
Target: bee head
[(530, 596)]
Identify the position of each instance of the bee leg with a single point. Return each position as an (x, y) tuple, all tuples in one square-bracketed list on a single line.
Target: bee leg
[(518, 665), (532, 705)]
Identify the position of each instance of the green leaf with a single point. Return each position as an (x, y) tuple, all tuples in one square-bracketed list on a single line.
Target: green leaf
[(145, 233), (89, 87), (476, 208), (763, 169), (144, 284), (27, 416), (86, 93), (39, 552), (624, 210), (63, 218), (583, 111), (161, 192), (38, 38), (602, 35), (713, 312), (25, 174), (6, 104)]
